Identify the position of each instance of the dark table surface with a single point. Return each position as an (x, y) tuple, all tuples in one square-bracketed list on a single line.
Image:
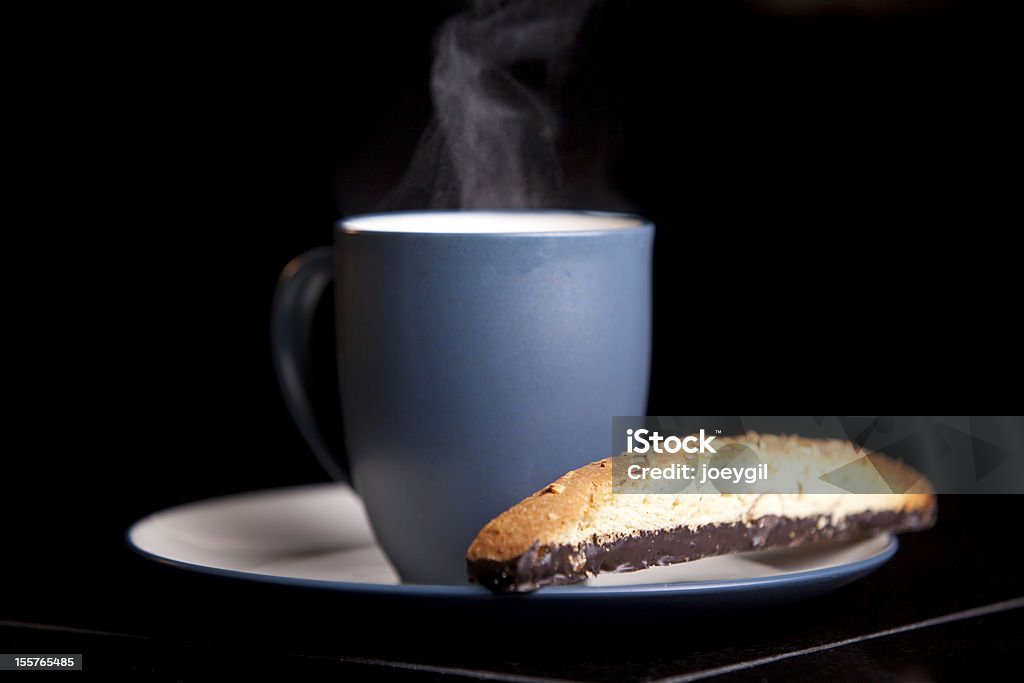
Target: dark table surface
[(946, 607)]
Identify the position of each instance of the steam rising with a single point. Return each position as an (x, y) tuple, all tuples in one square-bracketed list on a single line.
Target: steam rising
[(492, 142)]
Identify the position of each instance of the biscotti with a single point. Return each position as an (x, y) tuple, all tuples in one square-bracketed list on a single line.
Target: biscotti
[(582, 524)]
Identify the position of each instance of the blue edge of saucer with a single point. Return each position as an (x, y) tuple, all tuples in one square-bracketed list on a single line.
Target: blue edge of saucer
[(796, 585)]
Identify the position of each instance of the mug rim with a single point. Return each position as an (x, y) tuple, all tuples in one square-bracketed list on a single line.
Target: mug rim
[(614, 222)]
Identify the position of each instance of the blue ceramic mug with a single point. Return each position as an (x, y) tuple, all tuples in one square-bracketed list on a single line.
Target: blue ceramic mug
[(481, 355)]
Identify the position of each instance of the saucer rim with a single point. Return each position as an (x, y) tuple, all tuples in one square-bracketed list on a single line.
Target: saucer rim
[(810, 577)]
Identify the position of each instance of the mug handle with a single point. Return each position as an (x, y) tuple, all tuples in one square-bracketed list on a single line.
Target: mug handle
[(299, 289)]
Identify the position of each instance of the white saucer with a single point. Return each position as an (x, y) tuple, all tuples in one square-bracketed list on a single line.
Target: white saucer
[(319, 536)]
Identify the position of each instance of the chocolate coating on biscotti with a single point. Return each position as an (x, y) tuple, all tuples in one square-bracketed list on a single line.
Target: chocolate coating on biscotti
[(552, 566)]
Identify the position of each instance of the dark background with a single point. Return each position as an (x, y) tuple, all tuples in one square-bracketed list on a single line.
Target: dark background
[(833, 195), (835, 189)]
